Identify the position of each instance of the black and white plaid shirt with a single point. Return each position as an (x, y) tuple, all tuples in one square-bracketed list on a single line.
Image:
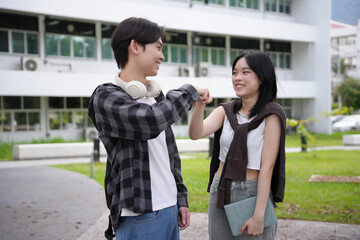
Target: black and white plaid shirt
[(124, 126)]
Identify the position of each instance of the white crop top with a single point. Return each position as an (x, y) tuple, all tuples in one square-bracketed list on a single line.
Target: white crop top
[(255, 141)]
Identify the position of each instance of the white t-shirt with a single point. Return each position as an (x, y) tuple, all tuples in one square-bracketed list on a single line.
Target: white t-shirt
[(163, 185), (255, 141)]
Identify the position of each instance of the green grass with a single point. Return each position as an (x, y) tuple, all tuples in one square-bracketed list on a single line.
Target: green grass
[(335, 139), (331, 202), (292, 140)]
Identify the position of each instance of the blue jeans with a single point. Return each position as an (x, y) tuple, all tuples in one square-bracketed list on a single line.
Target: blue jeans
[(219, 227), (159, 225)]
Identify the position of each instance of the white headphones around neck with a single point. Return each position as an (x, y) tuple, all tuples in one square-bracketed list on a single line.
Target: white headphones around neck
[(137, 89)]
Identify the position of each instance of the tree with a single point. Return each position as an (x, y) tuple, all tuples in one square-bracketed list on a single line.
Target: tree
[(349, 91), (302, 131)]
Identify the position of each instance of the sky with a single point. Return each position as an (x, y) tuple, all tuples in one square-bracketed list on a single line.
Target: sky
[(345, 11)]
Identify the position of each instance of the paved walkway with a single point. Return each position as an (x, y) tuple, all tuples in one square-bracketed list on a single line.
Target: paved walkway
[(39, 202)]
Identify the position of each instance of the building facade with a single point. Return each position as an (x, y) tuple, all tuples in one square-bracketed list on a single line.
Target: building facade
[(54, 53), (345, 52)]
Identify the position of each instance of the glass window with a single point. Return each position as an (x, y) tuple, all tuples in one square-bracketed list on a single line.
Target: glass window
[(51, 45), (281, 60), (287, 7), (222, 57), (219, 2), (56, 102), (78, 43), (18, 42), (12, 102), (4, 41), (80, 119), (233, 55), (34, 121), (106, 50), (273, 59), (284, 6), (183, 54), (281, 6), (65, 46), (85, 102), (174, 54), (32, 43), (90, 47), (253, 4), (32, 102), (72, 102), (20, 121), (288, 61), (165, 53), (67, 120), (204, 55), (214, 56), (69, 27), (270, 5), (54, 120), (197, 55), (6, 120)]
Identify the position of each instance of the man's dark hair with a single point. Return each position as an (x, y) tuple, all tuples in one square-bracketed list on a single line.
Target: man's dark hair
[(263, 67), (139, 29)]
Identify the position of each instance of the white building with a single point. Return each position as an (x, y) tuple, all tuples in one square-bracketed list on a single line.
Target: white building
[(345, 46), (54, 53)]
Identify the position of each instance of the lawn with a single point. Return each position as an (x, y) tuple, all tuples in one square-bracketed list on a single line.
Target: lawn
[(335, 139), (292, 140), (331, 202)]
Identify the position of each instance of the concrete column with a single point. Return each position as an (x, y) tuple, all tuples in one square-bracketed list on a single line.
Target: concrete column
[(42, 47), (189, 50), (98, 41), (227, 51)]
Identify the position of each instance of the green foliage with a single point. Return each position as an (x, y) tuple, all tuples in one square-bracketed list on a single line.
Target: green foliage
[(350, 93), (338, 111), (342, 67), (301, 129)]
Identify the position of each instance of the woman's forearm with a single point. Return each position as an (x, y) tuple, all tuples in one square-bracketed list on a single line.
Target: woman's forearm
[(197, 122)]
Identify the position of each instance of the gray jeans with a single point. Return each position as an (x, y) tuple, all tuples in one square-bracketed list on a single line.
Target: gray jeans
[(219, 228)]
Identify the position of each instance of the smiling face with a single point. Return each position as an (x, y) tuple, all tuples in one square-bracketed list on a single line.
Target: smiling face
[(245, 81), (151, 57)]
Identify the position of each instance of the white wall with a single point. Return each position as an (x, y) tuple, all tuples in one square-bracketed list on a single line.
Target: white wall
[(321, 70), (173, 15)]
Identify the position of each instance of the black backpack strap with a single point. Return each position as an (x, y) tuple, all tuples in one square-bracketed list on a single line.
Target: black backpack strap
[(109, 235)]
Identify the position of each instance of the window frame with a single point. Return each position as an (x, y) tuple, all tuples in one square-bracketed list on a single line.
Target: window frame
[(72, 52), (277, 6), (209, 54), (169, 59), (21, 110), (25, 34)]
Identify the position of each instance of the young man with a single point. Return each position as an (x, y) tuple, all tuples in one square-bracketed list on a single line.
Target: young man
[(144, 188)]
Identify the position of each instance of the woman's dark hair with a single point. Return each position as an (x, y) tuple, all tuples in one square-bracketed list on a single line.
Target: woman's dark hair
[(139, 29), (263, 67)]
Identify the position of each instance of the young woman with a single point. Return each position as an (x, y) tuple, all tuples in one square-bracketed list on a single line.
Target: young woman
[(250, 160)]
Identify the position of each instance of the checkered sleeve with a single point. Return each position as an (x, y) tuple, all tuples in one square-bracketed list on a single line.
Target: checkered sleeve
[(118, 115), (175, 162)]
